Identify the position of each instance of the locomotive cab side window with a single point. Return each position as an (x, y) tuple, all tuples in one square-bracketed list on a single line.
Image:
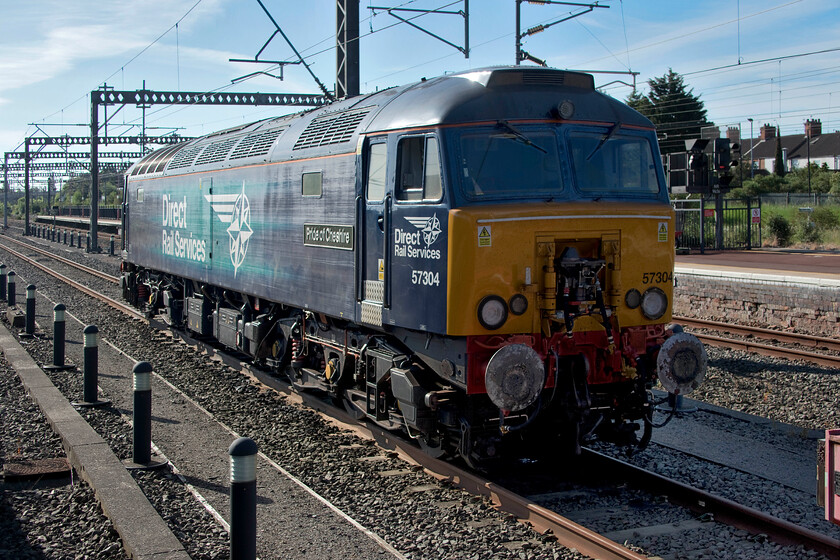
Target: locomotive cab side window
[(376, 175), (418, 170), (139, 195)]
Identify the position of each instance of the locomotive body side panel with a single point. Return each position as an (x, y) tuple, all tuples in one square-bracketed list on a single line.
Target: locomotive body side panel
[(252, 230)]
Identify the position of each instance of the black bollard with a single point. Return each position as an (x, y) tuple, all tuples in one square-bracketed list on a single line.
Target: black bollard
[(87, 240), (65, 237), (111, 247), (29, 329), (10, 291), (2, 281), (80, 240), (91, 370), (59, 330), (72, 239), (142, 413), (142, 451), (243, 499)]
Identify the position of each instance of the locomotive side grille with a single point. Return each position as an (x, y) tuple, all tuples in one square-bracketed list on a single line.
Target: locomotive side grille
[(331, 129), (215, 152), (256, 144), (185, 157)]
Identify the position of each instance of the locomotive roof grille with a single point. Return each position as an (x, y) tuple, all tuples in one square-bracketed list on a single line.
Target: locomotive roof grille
[(185, 157), (331, 129), (153, 163), (257, 144), (509, 77), (217, 151)]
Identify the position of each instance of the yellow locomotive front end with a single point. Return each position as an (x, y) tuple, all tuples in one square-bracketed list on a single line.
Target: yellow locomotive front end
[(560, 268)]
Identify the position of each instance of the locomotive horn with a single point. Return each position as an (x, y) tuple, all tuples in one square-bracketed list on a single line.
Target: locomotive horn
[(681, 364)]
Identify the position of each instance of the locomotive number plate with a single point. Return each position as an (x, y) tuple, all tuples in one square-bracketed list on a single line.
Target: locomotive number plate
[(657, 277)]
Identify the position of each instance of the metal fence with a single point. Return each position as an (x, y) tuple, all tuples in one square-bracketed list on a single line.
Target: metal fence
[(800, 199), (700, 227), (112, 212)]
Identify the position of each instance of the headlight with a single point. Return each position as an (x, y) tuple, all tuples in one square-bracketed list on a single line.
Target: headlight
[(492, 312), (654, 303), (518, 304), (633, 298)]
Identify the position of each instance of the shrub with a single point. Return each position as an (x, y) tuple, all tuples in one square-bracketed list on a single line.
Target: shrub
[(825, 218), (780, 229), (807, 231)]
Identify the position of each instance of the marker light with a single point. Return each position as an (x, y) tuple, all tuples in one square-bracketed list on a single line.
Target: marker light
[(492, 312), (518, 304), (633, 298)]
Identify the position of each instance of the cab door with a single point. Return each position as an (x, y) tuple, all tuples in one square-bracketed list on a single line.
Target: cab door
[(372, 212), (417, 220)]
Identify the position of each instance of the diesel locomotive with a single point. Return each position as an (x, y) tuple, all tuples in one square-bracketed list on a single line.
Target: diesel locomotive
[(483, 260)]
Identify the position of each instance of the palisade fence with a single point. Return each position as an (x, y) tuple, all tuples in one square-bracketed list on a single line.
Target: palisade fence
[(800, 199), (697, 221), (111, 211)]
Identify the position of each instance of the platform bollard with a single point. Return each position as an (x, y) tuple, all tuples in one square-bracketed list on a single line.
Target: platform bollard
[(87, 240), (675, 404), (29, 328), (10, 288), (141, 458), (80, 240), (59, 333), (65, 237), (72, 239), (243, 499), (91, 369), (111, 247), (2, 281)]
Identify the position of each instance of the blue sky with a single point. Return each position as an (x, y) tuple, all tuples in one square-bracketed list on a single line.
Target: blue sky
[(54, 52)]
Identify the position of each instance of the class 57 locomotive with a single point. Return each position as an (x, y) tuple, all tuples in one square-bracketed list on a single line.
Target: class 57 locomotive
[(483, 260)]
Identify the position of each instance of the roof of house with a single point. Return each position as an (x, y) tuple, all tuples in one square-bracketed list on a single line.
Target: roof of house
[(796, 145)]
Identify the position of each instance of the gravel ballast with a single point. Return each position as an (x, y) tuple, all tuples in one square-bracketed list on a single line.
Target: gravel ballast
[(445, 523)]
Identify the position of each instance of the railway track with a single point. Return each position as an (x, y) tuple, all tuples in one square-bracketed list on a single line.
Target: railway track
[(749, 344), (543, 519), (118, 305)]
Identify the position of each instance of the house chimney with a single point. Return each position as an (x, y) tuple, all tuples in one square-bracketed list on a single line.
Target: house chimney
[(768, 132), (813, 127), (733, 133)]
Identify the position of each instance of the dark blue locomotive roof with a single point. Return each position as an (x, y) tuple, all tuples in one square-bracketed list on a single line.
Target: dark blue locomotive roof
[(483, 95)]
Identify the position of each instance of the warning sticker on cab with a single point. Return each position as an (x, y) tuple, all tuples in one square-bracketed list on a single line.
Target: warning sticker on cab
[(484, 237), (662, 233)]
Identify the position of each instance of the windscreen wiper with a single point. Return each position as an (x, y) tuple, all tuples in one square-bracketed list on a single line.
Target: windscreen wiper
[(519, 137), (609, 134)]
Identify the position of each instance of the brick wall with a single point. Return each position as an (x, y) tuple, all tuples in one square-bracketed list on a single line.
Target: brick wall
[(805, 305)]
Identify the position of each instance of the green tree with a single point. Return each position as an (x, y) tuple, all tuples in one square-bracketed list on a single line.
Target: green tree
[(677, 113), (779, 164)]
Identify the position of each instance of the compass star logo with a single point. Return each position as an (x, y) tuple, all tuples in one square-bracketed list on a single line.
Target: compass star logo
[(429, 226), (234, 209)]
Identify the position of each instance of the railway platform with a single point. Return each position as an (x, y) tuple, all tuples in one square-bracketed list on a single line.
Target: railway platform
[(106, 225), (293, 522), (794, 290), (790, 266)]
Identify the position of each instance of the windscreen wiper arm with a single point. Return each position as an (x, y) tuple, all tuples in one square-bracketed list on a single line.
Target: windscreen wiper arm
[(520, 137), (609, 134)]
